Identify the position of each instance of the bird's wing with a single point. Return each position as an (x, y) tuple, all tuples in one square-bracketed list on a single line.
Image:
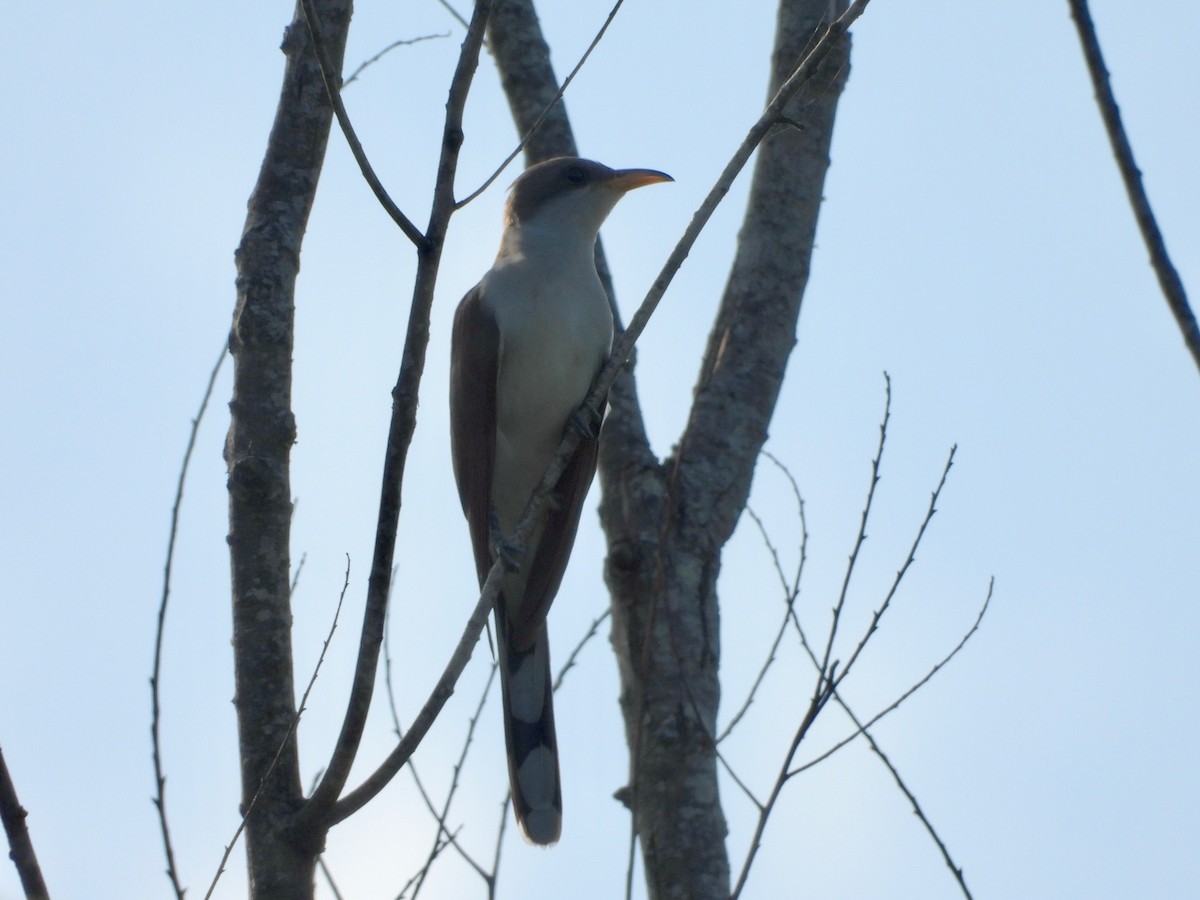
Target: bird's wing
[(548, 560), (474, 352)]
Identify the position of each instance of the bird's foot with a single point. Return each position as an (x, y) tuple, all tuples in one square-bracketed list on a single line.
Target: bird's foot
[(586, 421), (505, 550)]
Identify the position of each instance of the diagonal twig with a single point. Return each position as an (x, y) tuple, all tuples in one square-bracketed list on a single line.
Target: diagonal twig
[(403, 42), (160, 780), (1168, 277), (412, 769), (19, 843), (824, 668), (909, 560), (333, 90), (878, 751), (443, 835), (895, 704)]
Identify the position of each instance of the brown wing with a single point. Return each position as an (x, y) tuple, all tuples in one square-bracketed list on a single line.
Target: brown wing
[(549, 558), (474, 351)]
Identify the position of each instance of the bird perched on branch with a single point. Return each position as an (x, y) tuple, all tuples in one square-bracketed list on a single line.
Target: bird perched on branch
[(528, 342)]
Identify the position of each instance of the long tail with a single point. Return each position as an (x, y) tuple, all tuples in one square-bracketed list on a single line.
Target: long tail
[(526, 691)]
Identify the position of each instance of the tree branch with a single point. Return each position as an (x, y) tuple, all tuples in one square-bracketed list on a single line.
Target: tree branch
[(258, 457), (1168, 277), (19, 842), (160, 779), (403, 42), (320, 808), (333, 87), (374, 783)]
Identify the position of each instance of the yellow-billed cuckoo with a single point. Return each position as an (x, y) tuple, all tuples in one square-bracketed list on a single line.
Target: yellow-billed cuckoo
[(528, 341)]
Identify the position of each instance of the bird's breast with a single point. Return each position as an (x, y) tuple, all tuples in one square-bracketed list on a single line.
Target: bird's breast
[(555, 334)]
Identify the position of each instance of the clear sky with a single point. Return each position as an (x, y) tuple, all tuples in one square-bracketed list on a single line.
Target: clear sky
[(975, 244)]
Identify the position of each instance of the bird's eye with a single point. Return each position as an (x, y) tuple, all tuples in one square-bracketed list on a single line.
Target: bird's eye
[(576, 175)]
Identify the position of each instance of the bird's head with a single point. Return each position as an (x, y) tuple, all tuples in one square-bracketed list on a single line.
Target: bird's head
[(571, 195)]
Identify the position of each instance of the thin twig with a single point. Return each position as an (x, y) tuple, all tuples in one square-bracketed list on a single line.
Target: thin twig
[(823, 670), (583, 641), (1168, 277), (912, 555), (501, 828), (956, 869), (329, 877), (291, 730), (299, 569), (404, 42), (375, 782), (333, 90), (827, 675), (160, 779), (454, 12), (791, 593), (412, 768), (438, 840), (787, 473), (895, 704), (19, 843), (545, 112), (774, 650)]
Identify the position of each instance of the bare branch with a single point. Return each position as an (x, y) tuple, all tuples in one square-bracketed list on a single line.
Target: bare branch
[(374, 783), (816, 704), (895, 704), (329, 878), (957, 870), (823, 670), (405, 42), (912, 555), (320, 807), (787, 473), (454, 12), (19, 842), (391, 694), (583, 641), (299, 569), (160, 780), (1168, 277), (503, 826), (332, 86), (791, 593), (287, 737), (438, 841), (828, 677)]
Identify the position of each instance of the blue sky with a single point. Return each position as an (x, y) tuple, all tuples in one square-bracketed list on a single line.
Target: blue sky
[(975, 244)]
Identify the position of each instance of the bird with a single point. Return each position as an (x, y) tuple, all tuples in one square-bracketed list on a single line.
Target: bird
[(527, 342)]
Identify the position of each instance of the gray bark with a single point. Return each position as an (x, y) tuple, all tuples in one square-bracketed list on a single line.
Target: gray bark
[(667, 524), (257, 456)]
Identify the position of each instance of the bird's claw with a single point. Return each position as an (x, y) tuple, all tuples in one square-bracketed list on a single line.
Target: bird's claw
[(507, 552), (586, 421)]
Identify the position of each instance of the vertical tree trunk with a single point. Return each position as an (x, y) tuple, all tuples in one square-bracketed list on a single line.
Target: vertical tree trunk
[(257, 455), (667, 524)]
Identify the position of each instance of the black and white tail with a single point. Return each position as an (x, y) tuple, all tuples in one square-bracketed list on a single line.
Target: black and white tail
[(526, 691)]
